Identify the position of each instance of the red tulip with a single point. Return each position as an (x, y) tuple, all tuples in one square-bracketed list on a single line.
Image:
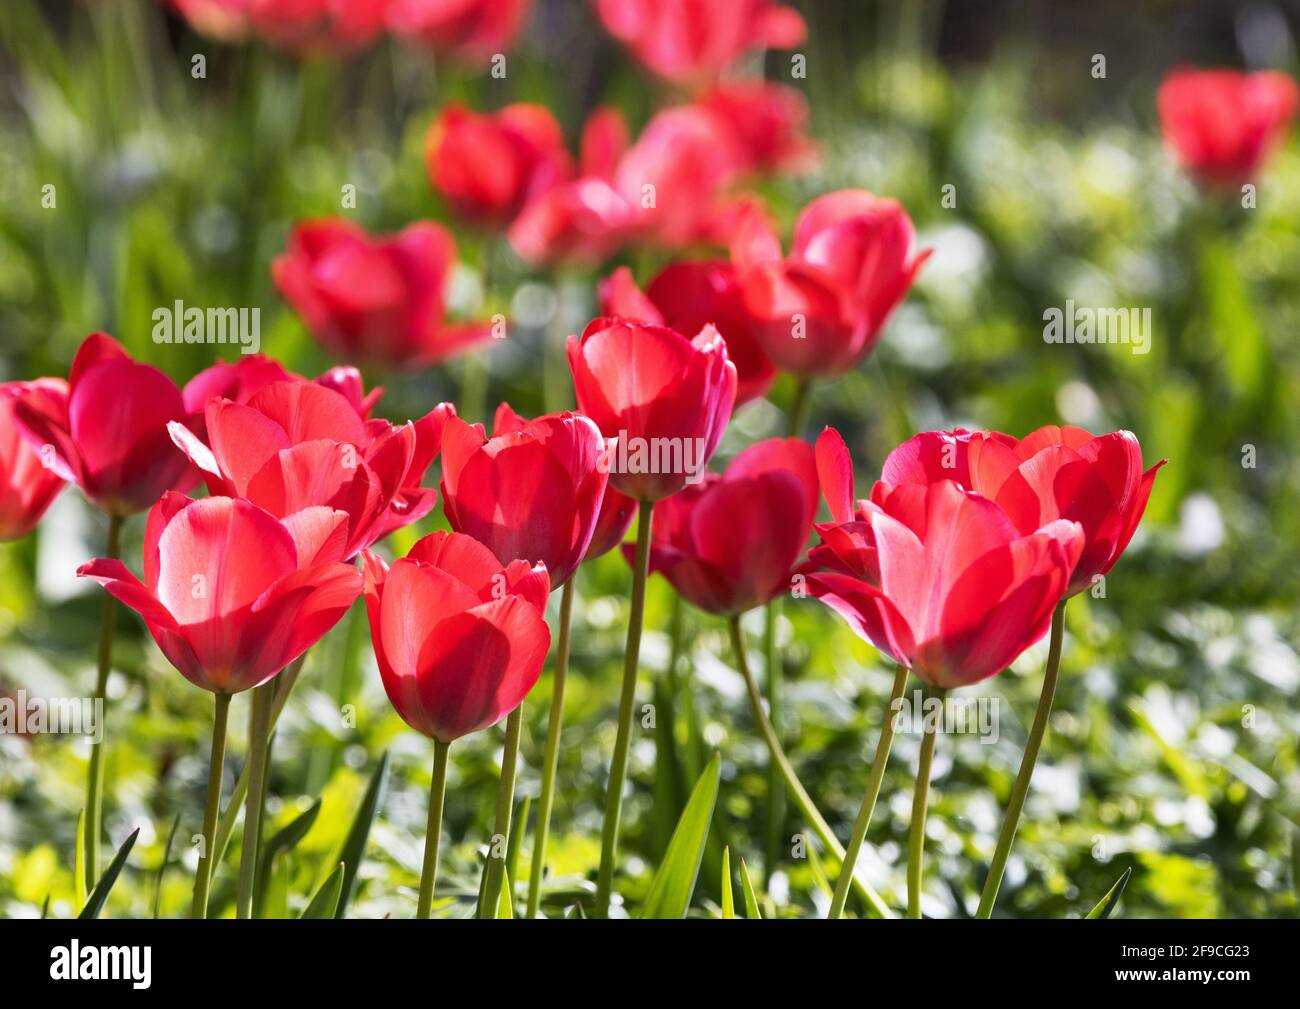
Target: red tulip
[(767, 121), (663, 397), (687, 297), (298, 25), (532, 491), (731, 542), (296, 445), (379, 299), (460, 639), (617, 511), (693, 41), (1222, 125), (108, 432), (1053, 473), (231, 594), (27, 485), (936, 576), (821, 310), (488, 167), (465, 29)]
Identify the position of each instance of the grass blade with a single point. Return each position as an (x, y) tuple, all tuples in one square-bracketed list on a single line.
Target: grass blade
[(728, 898), (166, 862), (326, 901), (99, 895), (751, 898), (281, 842), (354, 846), (79, 863), (1107, 903), (672, 886)]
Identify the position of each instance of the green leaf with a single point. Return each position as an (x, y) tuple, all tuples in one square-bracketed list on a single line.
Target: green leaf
[(751, 898), (818, 869), (79, 863), (45, 908), (281, 842), (728, 898), (505, 906), (99, 895), (671, 889), (325, 902), (162, 869), (518, 825), (575, 911), (354, 846), (1107, 903)]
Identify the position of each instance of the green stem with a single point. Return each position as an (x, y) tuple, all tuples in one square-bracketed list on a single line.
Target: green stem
[(433, 832), (797, 792), (920, 802), (203, 875), (283, 685), (627, 698), (874, 779), (551, 756), (505, 806), (259, 733), (775, 788), (800, 407), (1011, 820), (95, 773)]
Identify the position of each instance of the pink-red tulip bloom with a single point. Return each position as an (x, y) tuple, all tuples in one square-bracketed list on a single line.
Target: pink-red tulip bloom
[(28, 483), (687, 297), (1221, 124), (731, 542), (693, 41), (295, 444), (376, 298), (936, 576), (460, 639), (488, 167), (663, 397), (232, 594), (1052, 473), (107, 433), (469, 30), (532, 491), (820, 311), (305, 26)]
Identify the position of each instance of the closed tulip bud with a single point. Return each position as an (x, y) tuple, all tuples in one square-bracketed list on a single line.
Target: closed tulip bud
[(460, 639), (232, 594)]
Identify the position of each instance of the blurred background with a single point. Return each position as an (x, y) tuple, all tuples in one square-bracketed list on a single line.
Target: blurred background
[(1173, 746)]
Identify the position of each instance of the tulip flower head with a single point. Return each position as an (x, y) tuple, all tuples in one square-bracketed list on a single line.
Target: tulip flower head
[(28, 485), (231, 594), (466, 30), (1222, 125), (532, 491), (731, 542), (936, 576), (1053, 473), (298, 444), (460, 639), (821, 310), (107, 431), (664, 398), (301, 26)]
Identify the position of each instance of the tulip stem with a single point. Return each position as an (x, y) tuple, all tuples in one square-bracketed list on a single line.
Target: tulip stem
[(551, 757), (800, 406), (627, 698), (259, 737), (95, 773), (1011, 819), (920, 803), (775, 788), (283, 685), (433, 832), (868, 807), (496, 864), (797, 792), (203, 875)]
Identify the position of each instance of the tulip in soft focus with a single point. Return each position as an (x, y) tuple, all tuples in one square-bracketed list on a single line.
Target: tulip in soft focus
[(470, 30), (663, 397), (460, 639), (821, 309), (731, 542), (935, 576), (304, 26), (693, 41), (295, 444), (532, 491), (687, 297), (27, 485), (1221, 124), (376, 298), (767, 121), (1053, 473), (232, 594), (107, 433), (488, 167)]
